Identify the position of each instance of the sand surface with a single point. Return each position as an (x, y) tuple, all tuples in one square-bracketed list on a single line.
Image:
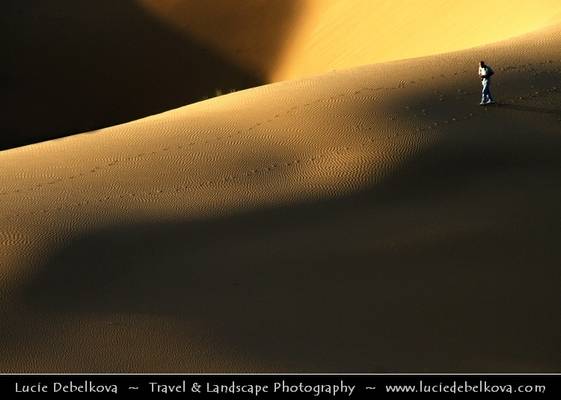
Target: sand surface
[(72, 67), (370, 219), (289, 39)]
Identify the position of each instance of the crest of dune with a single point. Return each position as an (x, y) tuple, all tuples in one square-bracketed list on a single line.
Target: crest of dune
[(283, 40)]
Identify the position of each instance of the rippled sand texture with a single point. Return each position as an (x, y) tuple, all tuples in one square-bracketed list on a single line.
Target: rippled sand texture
[(373, 219)]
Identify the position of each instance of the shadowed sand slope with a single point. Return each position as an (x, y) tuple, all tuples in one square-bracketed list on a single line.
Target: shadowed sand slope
[(71, 66), (374, 219)]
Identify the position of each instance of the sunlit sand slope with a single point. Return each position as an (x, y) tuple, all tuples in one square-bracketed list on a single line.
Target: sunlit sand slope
[(314, 36), (375, 219)]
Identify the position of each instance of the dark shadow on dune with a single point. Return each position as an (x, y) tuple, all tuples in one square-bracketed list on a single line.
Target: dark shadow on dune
[(72, 66), (533, 109)]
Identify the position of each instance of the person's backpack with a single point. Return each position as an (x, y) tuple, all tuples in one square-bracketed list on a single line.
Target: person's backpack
[(489, 72)]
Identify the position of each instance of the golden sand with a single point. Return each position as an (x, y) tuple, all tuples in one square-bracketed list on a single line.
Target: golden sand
[(373, 219), (289, 39)]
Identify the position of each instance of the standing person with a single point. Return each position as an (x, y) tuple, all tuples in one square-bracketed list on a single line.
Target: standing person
[(485, 73)]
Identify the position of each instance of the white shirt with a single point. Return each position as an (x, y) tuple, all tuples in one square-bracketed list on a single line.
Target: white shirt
[(483, 71)]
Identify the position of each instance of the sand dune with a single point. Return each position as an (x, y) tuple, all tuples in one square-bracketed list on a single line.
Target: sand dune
[(318, 36), (335, 35), (373, 219), (73, 67)]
